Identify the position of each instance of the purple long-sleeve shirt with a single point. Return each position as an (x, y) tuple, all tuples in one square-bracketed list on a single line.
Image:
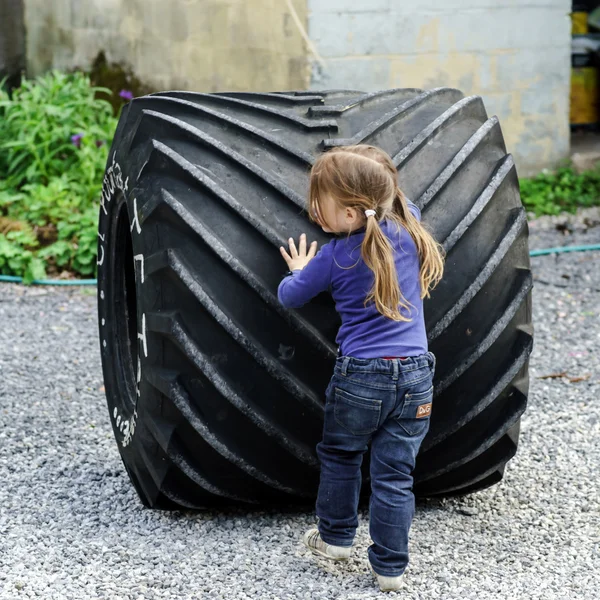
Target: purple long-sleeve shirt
[(338, 267)]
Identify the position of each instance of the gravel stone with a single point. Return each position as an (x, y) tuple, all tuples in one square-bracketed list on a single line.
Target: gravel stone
[(72, 527)]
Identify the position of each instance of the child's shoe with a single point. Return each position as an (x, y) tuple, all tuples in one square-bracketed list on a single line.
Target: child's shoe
[(387, 584), (312, 540)]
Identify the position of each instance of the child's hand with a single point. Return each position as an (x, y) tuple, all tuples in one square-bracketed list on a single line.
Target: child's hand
[(298, 259)]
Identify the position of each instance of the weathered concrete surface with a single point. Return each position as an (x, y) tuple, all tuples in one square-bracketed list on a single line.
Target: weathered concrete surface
[(199, 45), (12, 40), (514, 54)]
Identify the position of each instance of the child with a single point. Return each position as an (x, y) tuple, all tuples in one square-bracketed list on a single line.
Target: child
[(378, 273)]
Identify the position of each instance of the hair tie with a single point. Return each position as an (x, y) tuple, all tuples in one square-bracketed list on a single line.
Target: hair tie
[(370, 213)]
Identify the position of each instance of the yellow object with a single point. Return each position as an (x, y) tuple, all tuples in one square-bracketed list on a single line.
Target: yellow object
[(584, 96), (579, 23)]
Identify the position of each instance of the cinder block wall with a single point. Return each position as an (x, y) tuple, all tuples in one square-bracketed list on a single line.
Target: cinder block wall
[(515, 54), (199, 45)]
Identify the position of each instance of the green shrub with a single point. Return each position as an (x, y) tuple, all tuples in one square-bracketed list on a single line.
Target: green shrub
[(54, 140), (17, 255), (563, 190)]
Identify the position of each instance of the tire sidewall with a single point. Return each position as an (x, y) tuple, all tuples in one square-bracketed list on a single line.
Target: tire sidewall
[(117, 191)]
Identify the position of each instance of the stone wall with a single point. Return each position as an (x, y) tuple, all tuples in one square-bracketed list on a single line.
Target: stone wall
[(515, 54), (199, 45)]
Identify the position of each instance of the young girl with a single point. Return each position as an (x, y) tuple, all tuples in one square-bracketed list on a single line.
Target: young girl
[(378, 271)]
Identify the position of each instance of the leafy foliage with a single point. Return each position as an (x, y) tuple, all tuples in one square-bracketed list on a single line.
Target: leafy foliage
[(54, 140), (563, 190)]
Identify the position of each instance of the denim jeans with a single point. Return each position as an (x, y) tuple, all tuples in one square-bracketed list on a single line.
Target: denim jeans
[(386, 403)]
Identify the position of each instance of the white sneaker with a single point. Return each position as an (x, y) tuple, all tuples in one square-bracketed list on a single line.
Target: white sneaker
[(312, 540), (387, 584)]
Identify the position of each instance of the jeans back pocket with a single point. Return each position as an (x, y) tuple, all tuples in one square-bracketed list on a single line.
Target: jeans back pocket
[(416, 412), (359, 416)]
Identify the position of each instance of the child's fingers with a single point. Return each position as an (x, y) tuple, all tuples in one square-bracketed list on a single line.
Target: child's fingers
[(312, 251), (293, 251), (302, 250), (286, 256)]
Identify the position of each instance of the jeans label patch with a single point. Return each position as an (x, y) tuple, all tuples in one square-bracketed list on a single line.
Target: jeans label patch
[(424, 410)]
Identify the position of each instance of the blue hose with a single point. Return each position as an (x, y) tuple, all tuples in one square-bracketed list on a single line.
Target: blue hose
[(563, 249), (14, 279), (542, 252)]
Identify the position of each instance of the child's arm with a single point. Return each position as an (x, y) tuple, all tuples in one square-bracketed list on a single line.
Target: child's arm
[(307, 282)]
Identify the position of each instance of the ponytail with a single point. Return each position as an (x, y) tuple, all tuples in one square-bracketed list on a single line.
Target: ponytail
[(378, 255), (430, 252)]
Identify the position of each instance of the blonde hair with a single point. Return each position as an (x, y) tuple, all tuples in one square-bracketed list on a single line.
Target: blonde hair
[(364, 177)]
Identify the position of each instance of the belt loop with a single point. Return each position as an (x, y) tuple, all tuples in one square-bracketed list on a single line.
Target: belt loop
[(432, 360), (345, 366), (395, 362)]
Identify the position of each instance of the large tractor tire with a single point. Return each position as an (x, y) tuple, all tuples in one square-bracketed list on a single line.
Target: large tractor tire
[(214, 390)]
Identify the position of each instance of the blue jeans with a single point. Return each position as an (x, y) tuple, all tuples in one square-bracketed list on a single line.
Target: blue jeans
[(386, 403)]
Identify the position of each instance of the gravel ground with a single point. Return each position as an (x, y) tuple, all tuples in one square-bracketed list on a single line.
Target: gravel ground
[(71, 525)]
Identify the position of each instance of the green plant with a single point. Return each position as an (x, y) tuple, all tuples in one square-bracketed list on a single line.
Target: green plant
[(54, 139), (17, 255), (52, 125), (563, 190)]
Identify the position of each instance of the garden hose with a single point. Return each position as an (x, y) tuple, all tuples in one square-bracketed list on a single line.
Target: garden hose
[(533, 253), (14, 279), (563, 249)]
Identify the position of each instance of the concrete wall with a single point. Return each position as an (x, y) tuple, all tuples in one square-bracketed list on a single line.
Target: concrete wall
[(515, 54), (199, 45), (12, 40)]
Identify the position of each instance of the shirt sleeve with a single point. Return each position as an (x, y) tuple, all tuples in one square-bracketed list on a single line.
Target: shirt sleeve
[(414, 209), (303, 285)]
